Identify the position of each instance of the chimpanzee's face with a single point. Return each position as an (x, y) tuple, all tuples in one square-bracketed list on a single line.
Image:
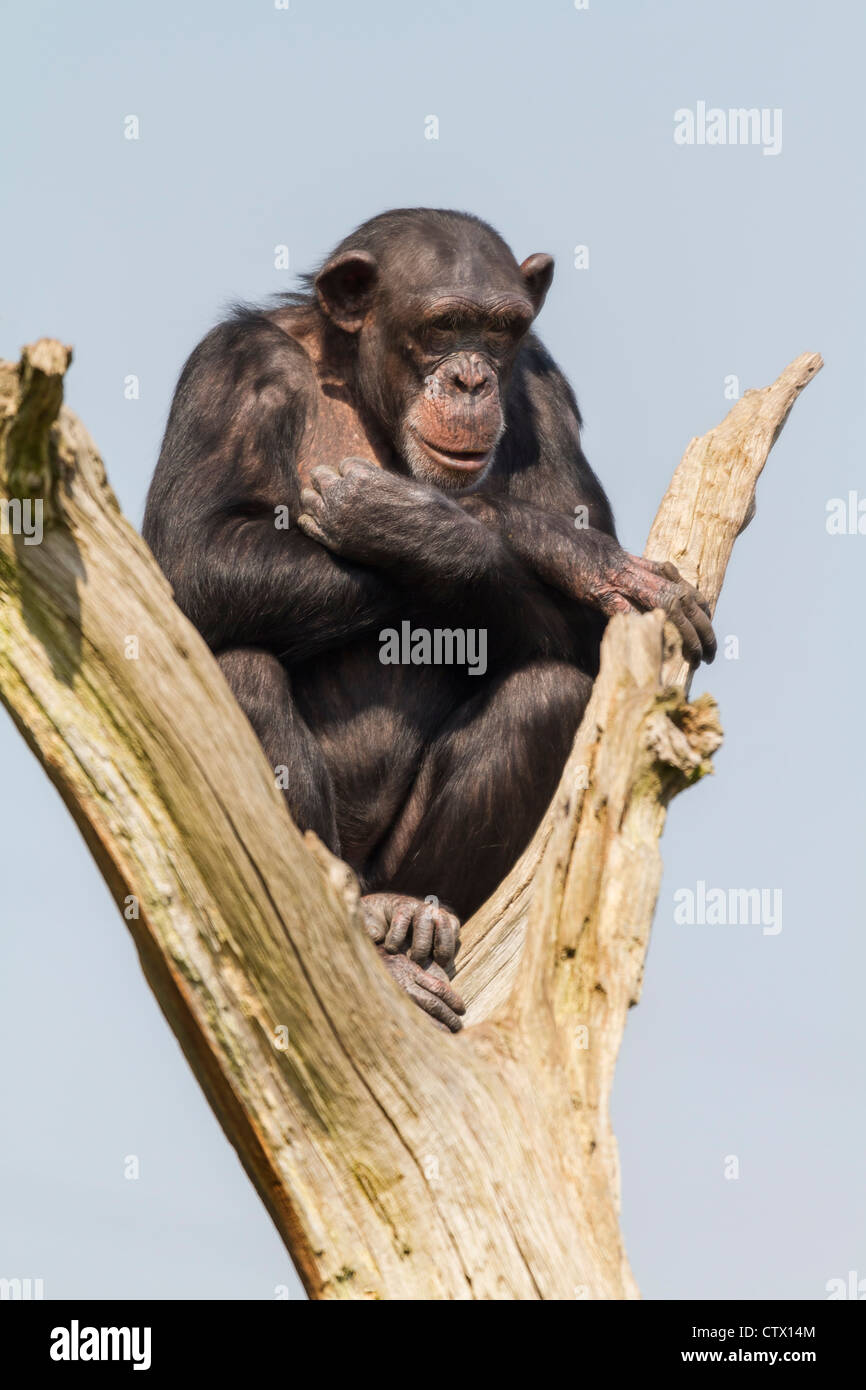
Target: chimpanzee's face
[(437, 339), (451, 353)]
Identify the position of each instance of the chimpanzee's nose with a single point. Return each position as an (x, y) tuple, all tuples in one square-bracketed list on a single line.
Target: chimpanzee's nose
[(470, 373)]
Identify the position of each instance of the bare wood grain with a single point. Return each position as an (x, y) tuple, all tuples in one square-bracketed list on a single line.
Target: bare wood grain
[(710, 500), (396, 1162)]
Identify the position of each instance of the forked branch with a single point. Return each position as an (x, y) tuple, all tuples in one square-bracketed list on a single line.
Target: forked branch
[(396, 1161)]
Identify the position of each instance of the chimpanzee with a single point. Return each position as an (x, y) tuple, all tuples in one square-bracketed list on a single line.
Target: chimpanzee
[(394, 446)]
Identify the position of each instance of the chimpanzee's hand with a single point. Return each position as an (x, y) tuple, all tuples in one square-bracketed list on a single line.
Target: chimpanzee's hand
[(429, 989), (635, 583), (425, 931), (418, 942), (360, 511)]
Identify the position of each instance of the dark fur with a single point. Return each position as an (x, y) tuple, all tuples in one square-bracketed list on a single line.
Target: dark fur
[(425, 779)]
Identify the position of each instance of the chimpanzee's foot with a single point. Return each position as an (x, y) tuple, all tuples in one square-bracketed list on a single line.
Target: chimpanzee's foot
[(418, 942), (429, 989)]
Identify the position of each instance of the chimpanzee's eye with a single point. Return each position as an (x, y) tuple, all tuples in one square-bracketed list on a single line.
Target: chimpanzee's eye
[(504, 332), (436, 335)]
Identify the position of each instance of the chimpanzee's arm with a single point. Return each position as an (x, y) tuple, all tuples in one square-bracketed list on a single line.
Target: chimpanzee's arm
[(253, 585), (545, 497), (226, 477), (443, 559), (485, 555), (591, 566)]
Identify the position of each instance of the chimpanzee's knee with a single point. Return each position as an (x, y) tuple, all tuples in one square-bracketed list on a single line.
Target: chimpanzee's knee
[(262, 687)]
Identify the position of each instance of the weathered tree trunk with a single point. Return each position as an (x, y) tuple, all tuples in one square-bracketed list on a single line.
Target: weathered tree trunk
[(396, 1161)]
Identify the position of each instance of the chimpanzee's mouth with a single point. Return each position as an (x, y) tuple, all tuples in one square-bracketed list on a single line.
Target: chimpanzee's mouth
[(469, 460)]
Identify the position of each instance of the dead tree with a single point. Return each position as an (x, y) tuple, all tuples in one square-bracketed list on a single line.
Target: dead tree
[(395, 1160)]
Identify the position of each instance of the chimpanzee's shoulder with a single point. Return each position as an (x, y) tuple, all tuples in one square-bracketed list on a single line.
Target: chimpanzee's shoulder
[(541, 382), (250, 350), (541, 458)]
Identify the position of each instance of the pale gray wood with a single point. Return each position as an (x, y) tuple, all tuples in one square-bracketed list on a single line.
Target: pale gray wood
[(396, 1161)]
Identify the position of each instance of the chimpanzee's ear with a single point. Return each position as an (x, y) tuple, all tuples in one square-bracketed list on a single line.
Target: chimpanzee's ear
[(537, 271), (345, 287)]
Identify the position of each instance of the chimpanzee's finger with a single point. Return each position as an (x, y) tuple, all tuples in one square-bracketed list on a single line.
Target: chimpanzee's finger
[(400, 926), (436, 981), (447, 940), (670, 571), (323, 475), (692, 648), (702, 625), (436, 1008), (689, 588), (375, 918), (702, 602), (705, 603), (355, 464), (434, 996), (310, 527), (423, 932)]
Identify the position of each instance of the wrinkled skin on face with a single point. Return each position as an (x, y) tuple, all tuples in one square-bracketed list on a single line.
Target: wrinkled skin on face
[(440, 326)]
